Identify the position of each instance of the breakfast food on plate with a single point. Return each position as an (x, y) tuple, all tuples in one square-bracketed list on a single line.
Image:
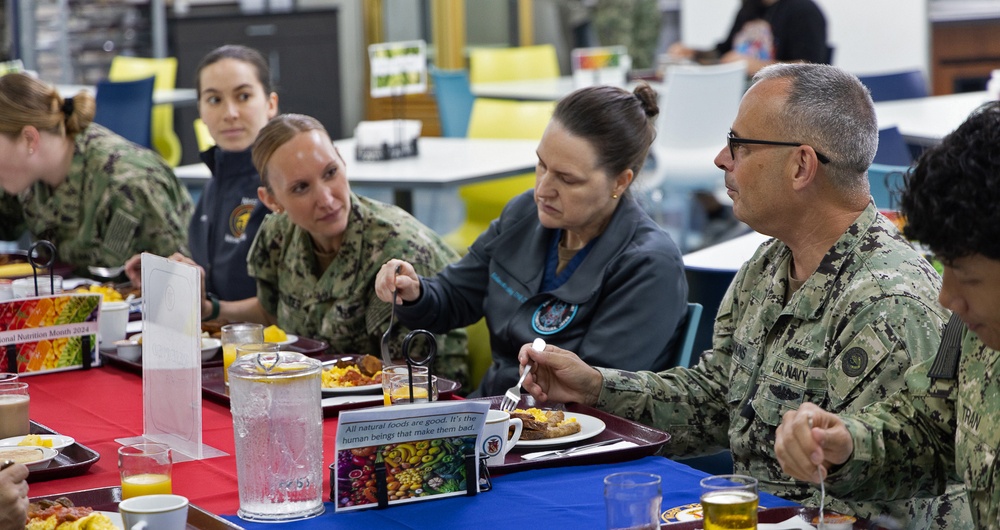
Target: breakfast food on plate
[(108, 291), (834, 521), (60, 514), (352, 372), (273, 333), (543, 424), (23, 455), (34, 439)]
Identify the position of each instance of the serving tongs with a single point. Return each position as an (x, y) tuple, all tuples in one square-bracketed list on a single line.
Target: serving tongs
[(37, 260)]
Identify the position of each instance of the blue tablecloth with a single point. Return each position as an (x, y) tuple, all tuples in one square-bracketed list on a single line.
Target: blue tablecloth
[(545, 498)]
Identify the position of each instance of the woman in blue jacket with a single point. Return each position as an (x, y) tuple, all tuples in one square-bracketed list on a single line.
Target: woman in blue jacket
[(574, 261)]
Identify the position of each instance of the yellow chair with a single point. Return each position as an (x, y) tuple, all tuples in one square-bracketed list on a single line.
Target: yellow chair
[(205, 140), (497, 118), (487, 65), (165, 139), (480, 352)]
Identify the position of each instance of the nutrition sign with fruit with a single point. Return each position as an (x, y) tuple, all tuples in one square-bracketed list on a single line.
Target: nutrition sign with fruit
[(48, 333), (400, 454)]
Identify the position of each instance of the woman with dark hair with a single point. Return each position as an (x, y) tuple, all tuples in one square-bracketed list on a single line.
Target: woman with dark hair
[(98, 197), (235, 100), (574, 261)]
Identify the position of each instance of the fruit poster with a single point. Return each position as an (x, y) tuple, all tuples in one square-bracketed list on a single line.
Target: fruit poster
[(407, 453), (398, 68), (48, 333)]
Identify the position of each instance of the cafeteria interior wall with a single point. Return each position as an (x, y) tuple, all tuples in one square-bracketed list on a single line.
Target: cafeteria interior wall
[(865, 34), (351, 40)]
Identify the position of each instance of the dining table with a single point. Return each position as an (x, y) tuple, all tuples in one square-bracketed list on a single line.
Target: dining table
[(925, 121), (547, 89), (440, 163), (98, 405)]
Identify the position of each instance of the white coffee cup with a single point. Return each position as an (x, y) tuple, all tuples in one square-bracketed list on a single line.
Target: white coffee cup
[(112, 323), (495, 441), (154, 512)]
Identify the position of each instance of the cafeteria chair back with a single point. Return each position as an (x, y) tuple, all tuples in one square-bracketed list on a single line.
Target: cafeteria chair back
[(886, 182), (454, 101), (497, 118), (126, 108), (892, 148), (164, 138), (686, 347), (487, 65), (203, 136), (897, 85)]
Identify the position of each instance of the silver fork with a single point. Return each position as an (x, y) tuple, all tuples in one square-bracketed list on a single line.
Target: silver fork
[(513, 395), (386, 354)]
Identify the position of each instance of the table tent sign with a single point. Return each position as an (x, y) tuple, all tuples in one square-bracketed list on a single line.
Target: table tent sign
[(388, 456), (608, 65), (49, 333), (397, 69), (171, 358)]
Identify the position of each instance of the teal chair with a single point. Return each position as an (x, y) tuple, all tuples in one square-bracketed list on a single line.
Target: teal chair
[(684, 353), (454, 101), (886, 181)]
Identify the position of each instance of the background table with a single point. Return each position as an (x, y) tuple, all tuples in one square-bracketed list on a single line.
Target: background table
[(925, 121), (98, 405), (552, 89), (441, 162), (177, 96)]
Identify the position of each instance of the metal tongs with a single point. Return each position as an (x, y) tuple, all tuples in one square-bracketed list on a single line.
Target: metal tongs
[(33, 258)]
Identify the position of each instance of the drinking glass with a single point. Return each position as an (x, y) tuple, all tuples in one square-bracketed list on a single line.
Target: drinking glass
[(396, 385), (633, 500), (14, 400), (729, 502), (234, 335), (146, 469)]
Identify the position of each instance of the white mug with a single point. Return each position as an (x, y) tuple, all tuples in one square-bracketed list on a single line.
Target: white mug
[(494, 443), (154, 512), (112, 323)]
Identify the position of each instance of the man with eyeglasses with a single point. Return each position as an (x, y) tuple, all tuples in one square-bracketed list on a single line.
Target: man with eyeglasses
[(833, 310)]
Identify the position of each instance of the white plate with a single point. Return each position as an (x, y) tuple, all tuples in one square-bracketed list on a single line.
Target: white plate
[(363, 389), (42, 463), (58, 441), (116, 518), (589, 427), (292, 339)]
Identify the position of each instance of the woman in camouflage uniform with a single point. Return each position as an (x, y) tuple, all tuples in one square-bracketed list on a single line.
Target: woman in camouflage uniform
[(316, 256), (98, 197)]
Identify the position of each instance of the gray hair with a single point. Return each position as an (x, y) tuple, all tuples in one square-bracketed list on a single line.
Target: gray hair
[(832, 111)]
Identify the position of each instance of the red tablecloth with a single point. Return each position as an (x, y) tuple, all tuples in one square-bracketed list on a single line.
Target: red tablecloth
[(99, 405)]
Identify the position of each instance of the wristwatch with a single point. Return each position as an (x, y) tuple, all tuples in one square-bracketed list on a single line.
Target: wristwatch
[(215, 307)]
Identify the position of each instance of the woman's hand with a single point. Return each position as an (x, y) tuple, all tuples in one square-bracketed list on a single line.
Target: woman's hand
[(809, 439), (133, 269), (400, 276), (560, 376), (13, 497)]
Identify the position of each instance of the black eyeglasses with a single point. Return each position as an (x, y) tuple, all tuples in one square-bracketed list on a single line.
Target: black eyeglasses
[(730, 139)]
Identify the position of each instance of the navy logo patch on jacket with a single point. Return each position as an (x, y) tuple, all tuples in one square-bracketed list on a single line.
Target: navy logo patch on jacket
[(552, 316)]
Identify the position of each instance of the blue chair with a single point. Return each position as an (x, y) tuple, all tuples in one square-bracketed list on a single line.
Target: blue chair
[(126, 107), (892, 148), (690, 331), (900, 85), (886, 181), (454, 100)]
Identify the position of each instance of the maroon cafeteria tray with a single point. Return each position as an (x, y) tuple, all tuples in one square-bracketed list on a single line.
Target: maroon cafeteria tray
[(310, 347), (107, 499), (647, 439), (214, 387), (772, 516), (72, 460)]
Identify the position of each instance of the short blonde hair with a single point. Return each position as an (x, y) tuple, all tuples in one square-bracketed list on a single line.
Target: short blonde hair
[(26, 101), (279, 131)]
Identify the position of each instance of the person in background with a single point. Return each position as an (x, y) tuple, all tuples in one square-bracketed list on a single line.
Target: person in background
[(235, 100), (832, 311), (767, 32), (13, 497), (943, 424), (316, 256), (96, 196), (575, 261)]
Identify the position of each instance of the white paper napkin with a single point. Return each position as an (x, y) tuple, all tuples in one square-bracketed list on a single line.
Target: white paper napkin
[(592, 450), (344, 400), (792, 523)]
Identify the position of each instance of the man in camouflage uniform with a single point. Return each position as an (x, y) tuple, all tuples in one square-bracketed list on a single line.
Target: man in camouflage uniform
[(118, 200), (832, 311), (339, 305), (941, 423)]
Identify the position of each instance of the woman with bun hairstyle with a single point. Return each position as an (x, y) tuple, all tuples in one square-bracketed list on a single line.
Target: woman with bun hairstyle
[(574, 261), (98, 197)]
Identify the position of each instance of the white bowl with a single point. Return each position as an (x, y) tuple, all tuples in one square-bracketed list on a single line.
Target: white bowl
[(130, 350), (40, 460), (209, 347), (59, 441)]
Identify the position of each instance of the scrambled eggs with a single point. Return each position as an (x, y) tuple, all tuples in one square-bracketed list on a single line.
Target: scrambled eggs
[(109, 293), (94, 521), (348, 376), (540, 415)]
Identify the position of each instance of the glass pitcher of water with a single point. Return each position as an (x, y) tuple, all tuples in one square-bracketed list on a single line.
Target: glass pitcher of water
[(275, 398)]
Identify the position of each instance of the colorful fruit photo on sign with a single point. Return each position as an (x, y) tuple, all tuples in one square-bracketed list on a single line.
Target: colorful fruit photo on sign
[(47, 333)]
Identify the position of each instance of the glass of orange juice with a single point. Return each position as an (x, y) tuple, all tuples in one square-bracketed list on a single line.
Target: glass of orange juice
[(234, 335), (145, 469)]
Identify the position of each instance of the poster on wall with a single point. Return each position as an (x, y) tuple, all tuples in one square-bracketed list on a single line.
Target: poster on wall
[(398, 68)]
